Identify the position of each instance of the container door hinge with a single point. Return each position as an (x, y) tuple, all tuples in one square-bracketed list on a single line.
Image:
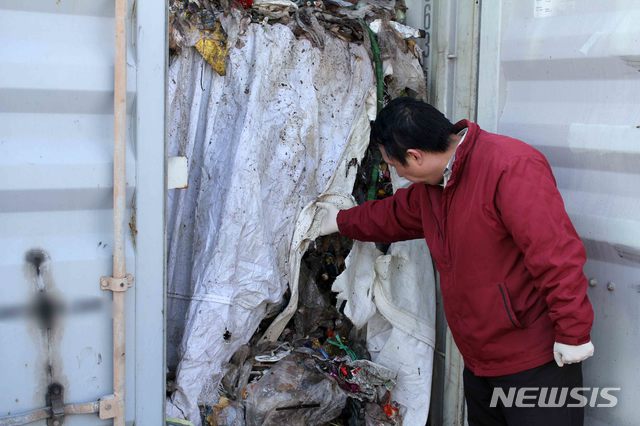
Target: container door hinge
[(110, 407), (116, 284), (55, 400)]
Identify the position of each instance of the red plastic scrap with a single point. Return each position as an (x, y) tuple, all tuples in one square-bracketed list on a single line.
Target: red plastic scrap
[(344, 371), (391, 410)]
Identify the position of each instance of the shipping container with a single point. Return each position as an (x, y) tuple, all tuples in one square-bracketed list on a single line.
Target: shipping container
[(562, 75)]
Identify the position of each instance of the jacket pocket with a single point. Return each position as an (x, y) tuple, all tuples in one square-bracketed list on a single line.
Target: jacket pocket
[(506, 302)]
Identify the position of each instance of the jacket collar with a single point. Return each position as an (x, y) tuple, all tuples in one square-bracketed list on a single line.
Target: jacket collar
[(464, 150)]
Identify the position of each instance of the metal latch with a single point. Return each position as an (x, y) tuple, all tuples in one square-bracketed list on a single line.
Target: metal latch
[(110, 407), (55, 400), (116, 284)]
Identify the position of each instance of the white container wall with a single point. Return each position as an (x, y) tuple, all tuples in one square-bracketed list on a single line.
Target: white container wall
[(564, 75), (56, 226)]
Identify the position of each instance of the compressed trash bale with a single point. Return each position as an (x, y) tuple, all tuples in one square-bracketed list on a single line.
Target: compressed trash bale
[(293, 392)]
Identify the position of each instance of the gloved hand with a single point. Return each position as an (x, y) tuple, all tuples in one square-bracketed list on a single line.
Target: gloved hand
[(569, 354), (329, 224)]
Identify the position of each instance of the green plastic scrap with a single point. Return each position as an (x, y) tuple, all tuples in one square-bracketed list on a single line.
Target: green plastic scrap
[(340, 344), (170, 421), (377, 60), (371, 194)]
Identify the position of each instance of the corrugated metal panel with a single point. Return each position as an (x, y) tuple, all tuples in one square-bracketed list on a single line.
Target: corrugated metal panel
[(56, 152), (564, 76)]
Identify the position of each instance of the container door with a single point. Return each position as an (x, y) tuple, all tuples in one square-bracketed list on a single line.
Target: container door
[(564, 76), (56, 226)]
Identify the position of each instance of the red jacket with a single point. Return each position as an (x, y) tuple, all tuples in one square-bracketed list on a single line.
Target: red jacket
[(510, 261)]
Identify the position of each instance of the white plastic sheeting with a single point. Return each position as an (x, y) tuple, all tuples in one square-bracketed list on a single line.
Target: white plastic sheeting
[(401, 334), (262, 142)]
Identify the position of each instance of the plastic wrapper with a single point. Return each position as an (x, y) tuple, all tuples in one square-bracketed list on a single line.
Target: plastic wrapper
[(293, 392), (361, 379), (403, 30), (313, 308), (213, 48), (226, 413), (382, 415), (405, 70)]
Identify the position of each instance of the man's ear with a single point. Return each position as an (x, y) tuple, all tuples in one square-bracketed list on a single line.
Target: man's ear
[(416, 155)]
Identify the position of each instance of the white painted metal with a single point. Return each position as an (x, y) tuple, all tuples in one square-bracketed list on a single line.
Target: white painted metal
[(455, 58), (564, 76), (420, 14), (56, 142), (149, 360)]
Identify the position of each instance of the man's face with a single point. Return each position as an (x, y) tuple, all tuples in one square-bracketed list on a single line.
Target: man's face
[(421, 167)]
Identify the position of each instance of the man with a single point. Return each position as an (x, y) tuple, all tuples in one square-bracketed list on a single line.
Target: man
[(510, 261)]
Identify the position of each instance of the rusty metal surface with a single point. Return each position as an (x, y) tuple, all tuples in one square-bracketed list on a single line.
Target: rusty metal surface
[(46, 413)]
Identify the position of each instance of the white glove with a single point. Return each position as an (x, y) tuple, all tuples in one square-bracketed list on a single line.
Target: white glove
[(569, 354), (329, 212)]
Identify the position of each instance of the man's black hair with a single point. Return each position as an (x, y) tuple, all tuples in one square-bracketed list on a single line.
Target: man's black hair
[(407, 123)]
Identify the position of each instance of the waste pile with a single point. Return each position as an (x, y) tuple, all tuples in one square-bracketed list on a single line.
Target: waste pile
[(375, 23), (272, 111), (319, 370)]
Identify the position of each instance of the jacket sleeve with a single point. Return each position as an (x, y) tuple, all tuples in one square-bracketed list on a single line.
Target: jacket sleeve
[(395, 218), (532, 210)]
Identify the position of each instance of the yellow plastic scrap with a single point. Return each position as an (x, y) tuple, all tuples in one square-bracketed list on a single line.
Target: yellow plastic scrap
[(212, 418), (213, 48)]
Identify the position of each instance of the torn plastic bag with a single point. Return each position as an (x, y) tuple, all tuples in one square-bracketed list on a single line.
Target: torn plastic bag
[(375, 415), (363, 379), (403, 30), (354, 284), (407, 73), (281, 127), (214, 49), (275, 9), (226, 413), (293, 392), (314, 307)]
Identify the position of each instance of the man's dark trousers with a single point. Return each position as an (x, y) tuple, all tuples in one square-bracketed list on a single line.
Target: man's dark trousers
[(478, 392)]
